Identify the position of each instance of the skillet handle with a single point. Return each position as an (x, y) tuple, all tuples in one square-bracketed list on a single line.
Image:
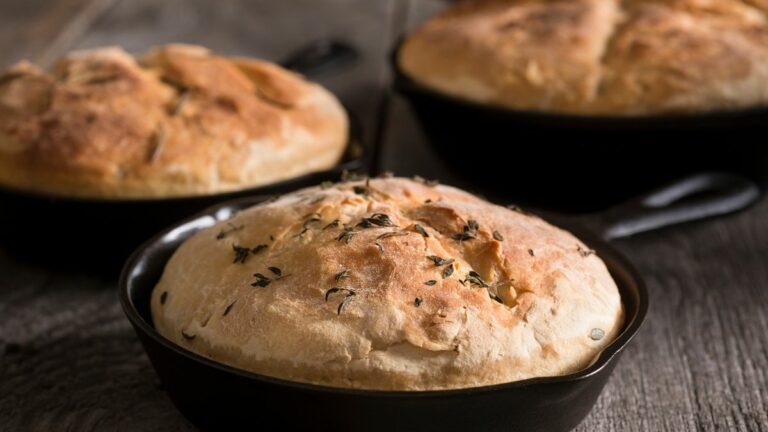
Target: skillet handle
[(321, 56), (692, 198)]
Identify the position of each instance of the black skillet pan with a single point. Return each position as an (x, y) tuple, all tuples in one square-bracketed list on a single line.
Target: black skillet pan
[(98, 234), (571, 163), (214, 396)]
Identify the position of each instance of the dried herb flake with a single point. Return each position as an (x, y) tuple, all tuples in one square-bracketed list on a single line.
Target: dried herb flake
[(377, 220), (261, 280), (422, 231), (334, 223), (448, 271), (474, 280), (584, 252), (241, 254), (392, 234), (341, 275), (228, 308), (440, 261), (232, 228), (349, 294)]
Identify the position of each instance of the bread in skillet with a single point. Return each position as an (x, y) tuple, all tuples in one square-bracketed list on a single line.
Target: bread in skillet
[(391, 284), (596, 57), (177, 121)]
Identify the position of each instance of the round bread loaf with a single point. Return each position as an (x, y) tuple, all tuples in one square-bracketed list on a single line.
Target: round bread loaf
[(179, 121), (390, 284), (596, 57)]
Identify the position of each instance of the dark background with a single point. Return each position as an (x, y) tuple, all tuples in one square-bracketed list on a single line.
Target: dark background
[(69, 360)]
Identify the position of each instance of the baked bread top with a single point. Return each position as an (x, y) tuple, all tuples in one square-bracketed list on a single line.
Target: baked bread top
[(178, 121), (389, 284), (596, 57)]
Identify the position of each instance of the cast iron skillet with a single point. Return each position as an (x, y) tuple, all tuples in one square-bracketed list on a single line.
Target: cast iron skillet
[(214, 396), (571, 163), (98, 234)]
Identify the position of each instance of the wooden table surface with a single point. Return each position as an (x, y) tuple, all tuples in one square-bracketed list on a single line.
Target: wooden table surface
[(70, 361)]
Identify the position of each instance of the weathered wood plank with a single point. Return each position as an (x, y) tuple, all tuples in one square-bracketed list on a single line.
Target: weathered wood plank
[(69, 360)]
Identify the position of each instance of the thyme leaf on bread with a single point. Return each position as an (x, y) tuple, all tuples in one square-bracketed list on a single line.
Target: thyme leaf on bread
[(430, 282), (464, 236), (392, 234), (361, 190), (472, 225), (417, 302), (334, 223), (349, 294), (440, 261), (348, 176), (344, 302), (422, 180), (448, 271), (517, 209), (376, 220), (313, 218), (261, 280), (241, 254), (341, 275), (584, 252), (225, 232), (228, 308), (469, 231), (421, 230), (364, 190), (474, 279), (495, 297), (346, 234), (497, 236)]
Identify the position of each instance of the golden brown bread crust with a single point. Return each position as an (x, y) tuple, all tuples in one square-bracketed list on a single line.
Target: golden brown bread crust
[(398, 330), (609, 57), (179, 121)]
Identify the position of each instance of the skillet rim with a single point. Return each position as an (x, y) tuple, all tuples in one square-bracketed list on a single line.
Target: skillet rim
[(615, 261)]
